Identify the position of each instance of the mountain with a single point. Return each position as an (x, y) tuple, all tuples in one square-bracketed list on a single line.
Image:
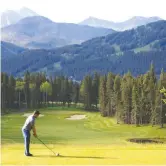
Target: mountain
[(25, 12), (119, 26), (9, 50), (119, 52), (11, 16), (95, 22), (40, 32)]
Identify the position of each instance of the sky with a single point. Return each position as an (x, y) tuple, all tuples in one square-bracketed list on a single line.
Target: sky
[(74, 11)]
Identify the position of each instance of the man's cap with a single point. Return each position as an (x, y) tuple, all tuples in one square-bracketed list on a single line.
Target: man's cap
[(36, 112)]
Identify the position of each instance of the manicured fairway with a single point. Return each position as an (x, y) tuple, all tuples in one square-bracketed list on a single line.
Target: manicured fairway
[(94, 140)]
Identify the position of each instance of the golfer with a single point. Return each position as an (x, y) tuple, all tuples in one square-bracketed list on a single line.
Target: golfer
[(28, 126)]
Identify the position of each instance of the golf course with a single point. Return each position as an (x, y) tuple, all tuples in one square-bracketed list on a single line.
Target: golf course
[(90, 140)]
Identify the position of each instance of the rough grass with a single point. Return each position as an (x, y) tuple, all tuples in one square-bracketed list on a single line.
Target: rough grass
[(94, 140)]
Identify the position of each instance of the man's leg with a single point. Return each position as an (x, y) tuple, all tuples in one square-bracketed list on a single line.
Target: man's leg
[(26, 135)]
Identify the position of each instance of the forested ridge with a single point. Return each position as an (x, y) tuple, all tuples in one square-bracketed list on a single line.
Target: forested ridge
[(119, 52)]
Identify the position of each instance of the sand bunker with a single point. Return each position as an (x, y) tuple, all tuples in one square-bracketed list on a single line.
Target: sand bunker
[(76, 117), (27, 114)]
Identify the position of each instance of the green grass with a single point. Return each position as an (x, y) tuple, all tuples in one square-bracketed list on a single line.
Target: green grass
[(56, 128), (93, 140), (116, 47), (146, 48), (143, 49)]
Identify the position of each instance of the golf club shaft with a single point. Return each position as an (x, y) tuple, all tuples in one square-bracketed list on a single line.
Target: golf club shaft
[(44, 144)]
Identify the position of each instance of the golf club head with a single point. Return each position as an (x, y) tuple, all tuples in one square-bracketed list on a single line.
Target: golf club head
[(57, 154)]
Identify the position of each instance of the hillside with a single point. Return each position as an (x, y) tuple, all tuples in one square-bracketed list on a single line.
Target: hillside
[(132, 50), (40, 32), (9, 50)]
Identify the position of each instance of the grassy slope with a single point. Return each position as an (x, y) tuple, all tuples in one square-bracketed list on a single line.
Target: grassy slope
[(146, 48), (95, 140)]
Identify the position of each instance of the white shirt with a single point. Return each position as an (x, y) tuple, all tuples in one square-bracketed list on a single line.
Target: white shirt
[(29, 123)]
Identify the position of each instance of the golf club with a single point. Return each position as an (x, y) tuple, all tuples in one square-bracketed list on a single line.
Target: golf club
[(47, 146)]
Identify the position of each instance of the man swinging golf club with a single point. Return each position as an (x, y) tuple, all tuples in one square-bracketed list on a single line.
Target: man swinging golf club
[(28, 126)]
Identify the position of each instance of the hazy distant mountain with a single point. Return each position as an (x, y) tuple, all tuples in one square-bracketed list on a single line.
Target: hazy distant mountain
[(11, 16), (40, 32), (119, 26), (25, 12), (95, 22)]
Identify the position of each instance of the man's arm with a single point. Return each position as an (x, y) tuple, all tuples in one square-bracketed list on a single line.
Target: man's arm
[(34, 131)]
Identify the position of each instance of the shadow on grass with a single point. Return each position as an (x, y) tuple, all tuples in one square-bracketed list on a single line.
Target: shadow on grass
[(148, 140), (86, 157)]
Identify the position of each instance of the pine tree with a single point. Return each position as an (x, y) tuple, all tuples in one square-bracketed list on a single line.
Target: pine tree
[(4, 93), (86, 92), (152, 73), (135, 104), (142, 98), (52, 96), (110, 94), (157, 112), (103, 100), (117, 96), (32, 88), (127, 97), (162, 83), (152, 98), (146, 103), (11, 90), (27, 89), (152, 93), (58, 86), (39, 96), (95, 89), (20, 89), (69, 92), (76, 93), (62, 90)]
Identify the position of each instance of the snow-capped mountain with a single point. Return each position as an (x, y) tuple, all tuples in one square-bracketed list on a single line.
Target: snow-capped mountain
[(13, 16), (119, 26)]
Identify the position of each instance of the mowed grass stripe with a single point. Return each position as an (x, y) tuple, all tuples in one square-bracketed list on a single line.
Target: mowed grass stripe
[(94, 129)]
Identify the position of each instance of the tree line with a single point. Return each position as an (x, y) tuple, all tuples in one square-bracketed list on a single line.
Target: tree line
[(36, 91), (133, 100)]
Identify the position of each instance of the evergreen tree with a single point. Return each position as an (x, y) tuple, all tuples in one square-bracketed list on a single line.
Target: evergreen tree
[(162, 83), (127, 82), (11, 91), (152, 85), (110, 94), (76, 93), (135, 104), (95, 89), (86, 92), (70, 92), (27, 89), (103, 100), (4, 89), (33, 103), (117, 96), (20, 90)]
